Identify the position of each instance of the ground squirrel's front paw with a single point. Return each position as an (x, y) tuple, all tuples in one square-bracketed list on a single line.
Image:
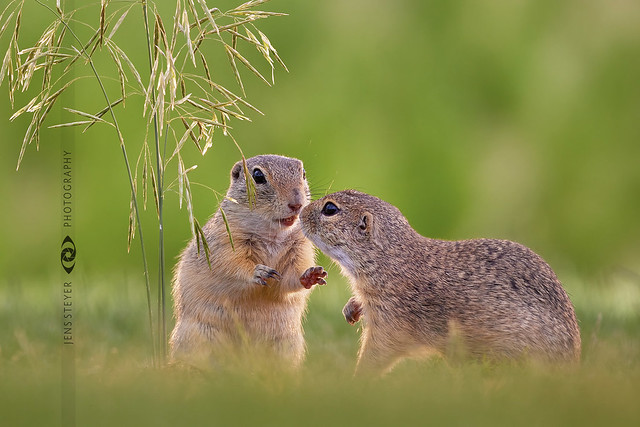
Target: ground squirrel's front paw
[(262, 273), (312, 276), (352, 311)]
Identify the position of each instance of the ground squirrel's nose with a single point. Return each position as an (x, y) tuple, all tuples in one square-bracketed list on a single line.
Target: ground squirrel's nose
[(295, 207)]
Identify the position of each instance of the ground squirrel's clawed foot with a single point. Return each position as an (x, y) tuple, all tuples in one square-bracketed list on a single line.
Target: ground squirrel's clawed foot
[(313, 276), (352, 311), (262, 273)]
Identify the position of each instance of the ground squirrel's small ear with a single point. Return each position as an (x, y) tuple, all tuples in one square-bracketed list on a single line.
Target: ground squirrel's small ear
[(235, 172), (366, 222)]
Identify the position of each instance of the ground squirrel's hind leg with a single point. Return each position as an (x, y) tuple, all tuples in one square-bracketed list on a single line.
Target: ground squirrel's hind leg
[(377, 355), (189, 345), (313, 276), (352, 311)]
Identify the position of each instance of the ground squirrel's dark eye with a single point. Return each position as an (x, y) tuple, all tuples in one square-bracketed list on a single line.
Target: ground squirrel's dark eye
[(258, 176), (330, 209), (304, 174)]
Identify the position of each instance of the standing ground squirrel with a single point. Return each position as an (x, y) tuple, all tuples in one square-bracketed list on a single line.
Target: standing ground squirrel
[(497, 297), (251, 299)]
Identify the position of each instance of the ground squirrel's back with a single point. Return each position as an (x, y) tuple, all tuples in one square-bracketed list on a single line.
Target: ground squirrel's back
[(498, 297)]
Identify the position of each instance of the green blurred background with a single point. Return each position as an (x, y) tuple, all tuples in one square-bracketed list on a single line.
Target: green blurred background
[(514, 120), (506, 119)]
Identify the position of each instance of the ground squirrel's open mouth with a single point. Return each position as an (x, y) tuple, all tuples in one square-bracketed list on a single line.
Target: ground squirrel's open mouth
[(288, 222)]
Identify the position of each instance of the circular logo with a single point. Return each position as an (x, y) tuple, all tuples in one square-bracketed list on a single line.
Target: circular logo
[(68, 254)]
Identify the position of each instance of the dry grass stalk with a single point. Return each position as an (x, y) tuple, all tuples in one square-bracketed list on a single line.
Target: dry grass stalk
[(179, 87)]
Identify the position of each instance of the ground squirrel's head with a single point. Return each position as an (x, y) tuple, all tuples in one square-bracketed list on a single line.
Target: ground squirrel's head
[(353, 228), (281, 190)]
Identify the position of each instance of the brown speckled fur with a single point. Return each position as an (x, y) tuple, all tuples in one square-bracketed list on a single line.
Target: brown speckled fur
[(222, 312), (503, 299)]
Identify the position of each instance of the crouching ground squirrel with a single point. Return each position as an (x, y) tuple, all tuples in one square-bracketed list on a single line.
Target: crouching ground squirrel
[(497, 297), (250, 301)]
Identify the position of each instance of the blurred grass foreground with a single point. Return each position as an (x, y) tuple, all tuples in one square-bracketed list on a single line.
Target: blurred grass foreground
[(514, 120)]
